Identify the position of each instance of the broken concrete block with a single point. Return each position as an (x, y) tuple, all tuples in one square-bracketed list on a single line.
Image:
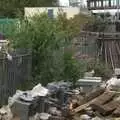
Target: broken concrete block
[(21, 109), (96, 118), (117, 71), (116, 113), (85, 117)]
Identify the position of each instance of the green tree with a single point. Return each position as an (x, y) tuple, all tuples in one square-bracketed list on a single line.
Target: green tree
[(49, 40), (12, 8)]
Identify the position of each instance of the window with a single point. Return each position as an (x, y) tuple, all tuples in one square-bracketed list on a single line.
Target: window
[(107, 3), (99, 3), (104, 3), (50, 13), (112, 2)]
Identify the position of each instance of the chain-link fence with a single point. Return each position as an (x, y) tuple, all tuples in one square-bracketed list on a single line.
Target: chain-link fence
[(14, 73), (85, 46)]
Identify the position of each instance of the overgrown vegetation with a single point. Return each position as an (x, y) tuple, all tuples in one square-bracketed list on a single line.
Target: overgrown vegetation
[(99, 22), (52, 53), (13, 8), (50, 42), (100, 69)]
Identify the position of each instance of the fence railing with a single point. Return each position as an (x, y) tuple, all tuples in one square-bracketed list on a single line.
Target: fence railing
[(14, 73)]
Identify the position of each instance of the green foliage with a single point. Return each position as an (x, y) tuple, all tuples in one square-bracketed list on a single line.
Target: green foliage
[(100, 68), (50, 42), (48, 39), (73, 26), (13, 8), (97, 25), (73, 69), (103, 71)]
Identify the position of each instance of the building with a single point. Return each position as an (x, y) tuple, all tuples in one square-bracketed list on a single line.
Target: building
[(103, 4), (76, 3), (52, 11), (64, 3), (82, 4)]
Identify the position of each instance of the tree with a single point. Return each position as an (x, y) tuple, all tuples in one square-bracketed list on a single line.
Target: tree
[(11, 8), (49, 40), (107, 14)]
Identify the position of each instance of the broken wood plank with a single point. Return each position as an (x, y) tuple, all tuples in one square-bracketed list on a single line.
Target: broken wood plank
[(116, 113), (106, 109), (105, 97), (94, 94)]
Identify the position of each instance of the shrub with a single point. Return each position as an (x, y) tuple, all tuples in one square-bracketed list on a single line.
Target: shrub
[(102, 70), (48, 39)]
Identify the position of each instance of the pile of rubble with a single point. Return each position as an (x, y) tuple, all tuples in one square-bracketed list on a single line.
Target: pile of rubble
[(100, 104), (58, 101), (5, 113), (36, 104)]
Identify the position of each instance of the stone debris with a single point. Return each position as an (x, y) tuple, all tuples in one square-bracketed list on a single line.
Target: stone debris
[(100, 104), (5, 113), (113, 83), (85, 117), (40, 116), (105, 105), (96, 118)]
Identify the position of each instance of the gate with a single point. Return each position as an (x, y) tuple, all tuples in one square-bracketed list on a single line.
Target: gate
[(85, 45), (14, 73)]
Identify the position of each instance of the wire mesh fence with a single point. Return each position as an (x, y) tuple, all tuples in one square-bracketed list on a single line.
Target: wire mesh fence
[(85, 46), (14, 73)]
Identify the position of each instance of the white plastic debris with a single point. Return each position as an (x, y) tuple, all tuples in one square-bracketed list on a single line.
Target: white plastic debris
[(44, 116), (77, 92), (11, 100), (113, 82), (85, 117), (39, 90), (9, 57)]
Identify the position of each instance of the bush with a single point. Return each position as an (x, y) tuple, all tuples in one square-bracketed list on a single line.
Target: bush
[(102, 70), (48, 39)]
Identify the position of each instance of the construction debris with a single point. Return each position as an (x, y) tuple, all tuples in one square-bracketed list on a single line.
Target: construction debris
[(5, 113), (99, 108), (60, 102)]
